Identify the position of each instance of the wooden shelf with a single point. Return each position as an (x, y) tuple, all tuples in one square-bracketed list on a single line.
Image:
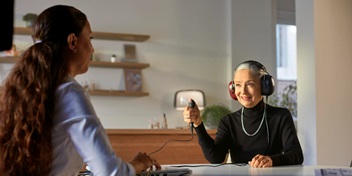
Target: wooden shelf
[(120, 36), (14, 59), (103, 36), (119, 64), (117, 93), (96, 35), (9, 59)]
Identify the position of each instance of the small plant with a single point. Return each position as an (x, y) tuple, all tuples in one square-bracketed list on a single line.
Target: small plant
[(212, 115), (30, 19), (288, 99)]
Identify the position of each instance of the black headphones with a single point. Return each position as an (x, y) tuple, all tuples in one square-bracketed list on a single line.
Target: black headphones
[(267, 81)]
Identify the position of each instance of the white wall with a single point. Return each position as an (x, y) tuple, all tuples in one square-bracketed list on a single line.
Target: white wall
[(253, 34), (187, 49), (306, 75), (194, 44), (324, 81)]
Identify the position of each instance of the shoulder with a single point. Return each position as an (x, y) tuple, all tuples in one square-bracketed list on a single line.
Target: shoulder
[(70, 88), (71, 98), (279, 114), (278, 110)]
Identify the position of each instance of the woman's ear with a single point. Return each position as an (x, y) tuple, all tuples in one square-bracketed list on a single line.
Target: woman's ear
[(72, 42)]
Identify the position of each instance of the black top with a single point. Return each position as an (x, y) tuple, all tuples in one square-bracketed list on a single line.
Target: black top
[(283, 147)]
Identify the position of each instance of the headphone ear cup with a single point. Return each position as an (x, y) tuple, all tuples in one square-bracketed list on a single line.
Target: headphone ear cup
[(231, 89), (268, 85)]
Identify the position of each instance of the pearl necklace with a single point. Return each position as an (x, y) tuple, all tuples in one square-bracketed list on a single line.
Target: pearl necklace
[(260, 126)]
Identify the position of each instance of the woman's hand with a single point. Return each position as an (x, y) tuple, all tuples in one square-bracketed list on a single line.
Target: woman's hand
[(261, 161), (192, 115), (142, 162)]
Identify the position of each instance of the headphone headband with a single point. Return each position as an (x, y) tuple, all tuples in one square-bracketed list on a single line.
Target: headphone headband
[(257, 64), (267, 82)]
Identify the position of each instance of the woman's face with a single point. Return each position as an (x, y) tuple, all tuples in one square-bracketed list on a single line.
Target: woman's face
[(81, 59), (247, 88)]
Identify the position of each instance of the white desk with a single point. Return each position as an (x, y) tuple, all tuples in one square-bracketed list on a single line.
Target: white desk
[(224, 170)]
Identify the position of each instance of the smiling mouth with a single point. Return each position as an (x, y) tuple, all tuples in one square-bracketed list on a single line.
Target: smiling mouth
[(246, 98)]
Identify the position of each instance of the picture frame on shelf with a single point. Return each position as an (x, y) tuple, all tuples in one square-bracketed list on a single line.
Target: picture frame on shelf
[(130, 53), (133, 80)]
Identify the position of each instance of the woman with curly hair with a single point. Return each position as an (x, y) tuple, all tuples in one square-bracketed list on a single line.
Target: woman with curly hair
[(47, 123)]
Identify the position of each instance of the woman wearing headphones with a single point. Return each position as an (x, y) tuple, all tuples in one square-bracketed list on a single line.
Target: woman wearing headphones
[(258, 134)]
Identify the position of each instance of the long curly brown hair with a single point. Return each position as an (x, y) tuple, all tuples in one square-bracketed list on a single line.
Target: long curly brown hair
[(27, 96)]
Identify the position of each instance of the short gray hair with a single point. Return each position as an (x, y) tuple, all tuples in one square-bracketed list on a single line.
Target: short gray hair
[(253, 67)]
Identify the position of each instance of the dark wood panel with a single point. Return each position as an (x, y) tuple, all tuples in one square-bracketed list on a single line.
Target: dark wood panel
[(127, 143)]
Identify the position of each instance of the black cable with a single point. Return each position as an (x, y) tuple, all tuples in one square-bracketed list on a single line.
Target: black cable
[(173, 140), (267, 129), (191, 104)]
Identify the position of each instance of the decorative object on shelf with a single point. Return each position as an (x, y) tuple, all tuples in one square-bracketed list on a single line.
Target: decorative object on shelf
[(94, 58), (13, 51), (85, 85), (91, 85), (212, 115), (30, 19), (158, 123), (164, 124), (130, 53), (182, 98), (133, 80), (113, 58)]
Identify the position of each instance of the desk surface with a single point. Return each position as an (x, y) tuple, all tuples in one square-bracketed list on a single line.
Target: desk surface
[(231, 169)]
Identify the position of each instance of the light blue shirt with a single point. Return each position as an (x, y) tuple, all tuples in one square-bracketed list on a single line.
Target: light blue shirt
[(78, 137)]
